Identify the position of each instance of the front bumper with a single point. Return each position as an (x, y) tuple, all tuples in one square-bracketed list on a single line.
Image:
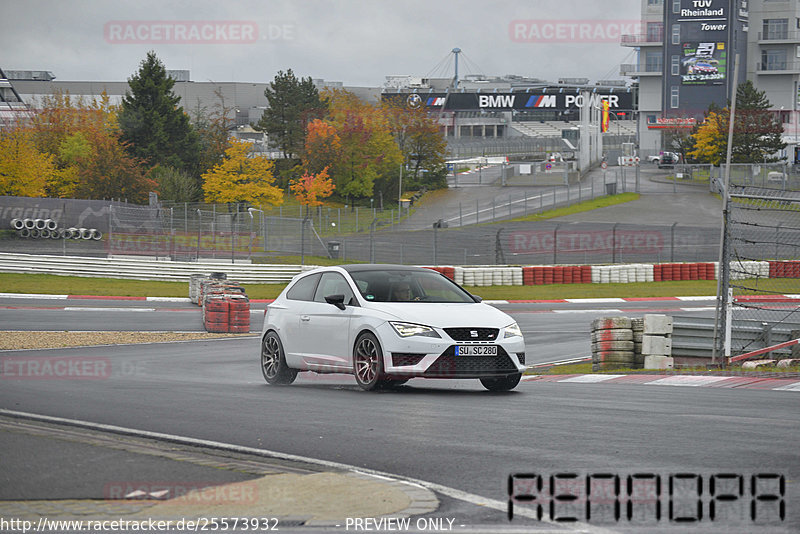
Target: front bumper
[(418, 356)]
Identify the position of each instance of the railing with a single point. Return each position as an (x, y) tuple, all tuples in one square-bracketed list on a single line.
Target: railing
[(779, 36), (780, 65), (693, 337), (640, 39), (144, 269)]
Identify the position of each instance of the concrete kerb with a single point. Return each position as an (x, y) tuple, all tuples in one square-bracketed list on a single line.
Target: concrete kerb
[(358, 492)]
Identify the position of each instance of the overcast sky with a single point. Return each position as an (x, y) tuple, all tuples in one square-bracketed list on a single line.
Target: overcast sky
[(355, 42)]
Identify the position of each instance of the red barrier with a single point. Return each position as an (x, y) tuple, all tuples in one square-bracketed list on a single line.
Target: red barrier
[(548, 275), (586, 274), (694, 272), (567, 275)]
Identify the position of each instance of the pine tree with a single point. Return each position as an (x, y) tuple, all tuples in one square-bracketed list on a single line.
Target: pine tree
[(153, 124), (293, 104)]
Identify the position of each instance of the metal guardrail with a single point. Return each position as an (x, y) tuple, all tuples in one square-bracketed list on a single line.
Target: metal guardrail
[(694, 336), (146, 269)]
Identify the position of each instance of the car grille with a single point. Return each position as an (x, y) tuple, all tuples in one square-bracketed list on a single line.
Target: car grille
[(449, 365), (406, 358), (465, 334), (521, 357)]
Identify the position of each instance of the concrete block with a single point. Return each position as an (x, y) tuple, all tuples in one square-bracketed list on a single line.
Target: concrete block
[(657, 324), (656, 345), (658, 362), (788, 362)]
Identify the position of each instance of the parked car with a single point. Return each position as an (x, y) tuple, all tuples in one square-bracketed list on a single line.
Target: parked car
[(386, 324), (668, 160)]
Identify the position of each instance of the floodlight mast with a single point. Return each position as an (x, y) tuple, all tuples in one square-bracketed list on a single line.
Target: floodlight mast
[(456, 51)]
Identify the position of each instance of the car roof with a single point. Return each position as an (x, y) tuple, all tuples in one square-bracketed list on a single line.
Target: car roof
[(358, 267)]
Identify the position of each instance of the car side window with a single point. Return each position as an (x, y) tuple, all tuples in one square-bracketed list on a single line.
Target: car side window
[(304, 288), (334, 284)]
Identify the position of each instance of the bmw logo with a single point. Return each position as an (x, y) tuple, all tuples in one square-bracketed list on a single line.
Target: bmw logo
[(414, 101)]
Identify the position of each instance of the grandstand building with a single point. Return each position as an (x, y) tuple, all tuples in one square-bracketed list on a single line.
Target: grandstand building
[(684, 63), (514, 114)]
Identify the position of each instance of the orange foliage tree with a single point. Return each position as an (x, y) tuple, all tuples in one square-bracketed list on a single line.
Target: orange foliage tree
[(310, 188)]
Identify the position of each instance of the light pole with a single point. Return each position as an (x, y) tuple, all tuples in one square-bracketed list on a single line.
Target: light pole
[(199, 229), (250, 212)]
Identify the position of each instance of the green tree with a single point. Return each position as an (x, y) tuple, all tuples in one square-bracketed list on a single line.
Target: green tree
[(756, 131), (175, 185), (155, 127), (293, 103), (213, 129)]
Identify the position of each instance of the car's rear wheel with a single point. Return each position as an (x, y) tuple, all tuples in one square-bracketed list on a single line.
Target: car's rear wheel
[(368, 362), (273, 362), (503, 383)]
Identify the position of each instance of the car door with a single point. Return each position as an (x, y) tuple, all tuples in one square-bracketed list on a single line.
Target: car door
[(299, 296), (325, 329)]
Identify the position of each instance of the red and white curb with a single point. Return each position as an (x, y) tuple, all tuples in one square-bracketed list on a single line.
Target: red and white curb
[(743, 382)]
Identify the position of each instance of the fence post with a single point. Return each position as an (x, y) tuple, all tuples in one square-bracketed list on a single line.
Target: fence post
[(672, 242), (614, 243), (460, 215), (477, 211)]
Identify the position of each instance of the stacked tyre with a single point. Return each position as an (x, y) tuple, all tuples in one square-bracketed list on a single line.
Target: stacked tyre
[(612, 344), (238, 314), (226, 308), (216, 313)]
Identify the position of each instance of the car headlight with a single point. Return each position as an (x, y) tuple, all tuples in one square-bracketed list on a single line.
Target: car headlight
[(512, 330), (411, 329)]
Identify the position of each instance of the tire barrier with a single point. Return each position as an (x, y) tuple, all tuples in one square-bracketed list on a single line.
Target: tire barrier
[(612, 344), (784, 269), (634, 343), (226, 308), (48, 229)]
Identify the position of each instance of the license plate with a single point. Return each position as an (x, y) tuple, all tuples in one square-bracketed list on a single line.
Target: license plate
[(476, 350)]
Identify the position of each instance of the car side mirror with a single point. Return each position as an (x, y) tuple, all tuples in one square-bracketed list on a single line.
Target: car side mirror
[(337, 300), (476, 298)]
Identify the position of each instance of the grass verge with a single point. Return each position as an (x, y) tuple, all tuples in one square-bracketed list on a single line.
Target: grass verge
[(588, 205), (74, 285)]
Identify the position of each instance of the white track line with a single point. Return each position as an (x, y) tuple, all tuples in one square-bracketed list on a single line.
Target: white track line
[(501, 506)]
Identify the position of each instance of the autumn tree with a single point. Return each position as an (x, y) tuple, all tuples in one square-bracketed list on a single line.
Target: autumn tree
[(153, 123), (24, 170), (322, 147), (311, 188), (756, 131), (293, 103), (368, 150), (84, 139), (242, 177)]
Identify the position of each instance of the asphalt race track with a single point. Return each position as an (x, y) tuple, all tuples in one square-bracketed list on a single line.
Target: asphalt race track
[(450, 433)]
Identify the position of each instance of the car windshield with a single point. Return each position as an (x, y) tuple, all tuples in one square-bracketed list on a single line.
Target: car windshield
[(408, 286)]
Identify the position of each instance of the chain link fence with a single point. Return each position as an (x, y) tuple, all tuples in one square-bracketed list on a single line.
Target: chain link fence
[(762, 248)]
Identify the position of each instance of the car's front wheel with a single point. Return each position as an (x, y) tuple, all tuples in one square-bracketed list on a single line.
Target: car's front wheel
[(504, 383), (273, 362), (368, 362)]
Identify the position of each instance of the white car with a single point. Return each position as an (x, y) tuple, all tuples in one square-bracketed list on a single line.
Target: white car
[(386, 324)]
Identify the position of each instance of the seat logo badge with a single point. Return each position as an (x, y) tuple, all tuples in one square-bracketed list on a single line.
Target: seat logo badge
[(473, 333)]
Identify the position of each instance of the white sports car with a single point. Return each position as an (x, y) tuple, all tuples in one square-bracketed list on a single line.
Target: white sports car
[(386, 324)]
